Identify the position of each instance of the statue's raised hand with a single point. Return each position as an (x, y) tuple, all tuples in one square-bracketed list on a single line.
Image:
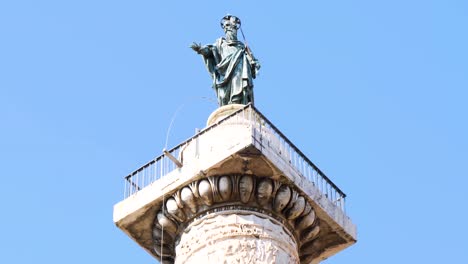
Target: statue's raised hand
[(196, 47)]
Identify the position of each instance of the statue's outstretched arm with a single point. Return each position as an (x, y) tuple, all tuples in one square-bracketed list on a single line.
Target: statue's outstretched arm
[(202, 50)]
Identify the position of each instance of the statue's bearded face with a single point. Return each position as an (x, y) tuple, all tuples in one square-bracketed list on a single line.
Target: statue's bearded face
[(230, 26)]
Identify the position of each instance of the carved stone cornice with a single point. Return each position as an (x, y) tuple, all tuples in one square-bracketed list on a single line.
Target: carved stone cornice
[(245, 193)]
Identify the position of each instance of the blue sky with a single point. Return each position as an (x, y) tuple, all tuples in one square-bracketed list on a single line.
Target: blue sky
[(374, 92)]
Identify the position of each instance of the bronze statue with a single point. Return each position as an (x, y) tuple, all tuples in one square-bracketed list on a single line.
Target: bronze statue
[(231, 65)]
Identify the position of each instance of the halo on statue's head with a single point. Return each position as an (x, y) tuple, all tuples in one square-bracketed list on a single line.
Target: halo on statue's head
[(231, 18)]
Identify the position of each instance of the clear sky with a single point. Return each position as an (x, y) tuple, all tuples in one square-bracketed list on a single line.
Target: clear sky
[(374, 92)]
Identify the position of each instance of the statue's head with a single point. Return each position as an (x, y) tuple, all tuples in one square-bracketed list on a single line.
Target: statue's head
[(230, 23)]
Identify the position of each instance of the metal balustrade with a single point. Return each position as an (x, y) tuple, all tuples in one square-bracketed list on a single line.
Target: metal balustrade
[(265, 132)]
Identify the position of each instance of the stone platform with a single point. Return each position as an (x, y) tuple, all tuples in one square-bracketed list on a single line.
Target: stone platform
[(243, 194)]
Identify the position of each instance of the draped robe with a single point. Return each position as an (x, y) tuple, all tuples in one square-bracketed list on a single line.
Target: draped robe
[(232, 71)]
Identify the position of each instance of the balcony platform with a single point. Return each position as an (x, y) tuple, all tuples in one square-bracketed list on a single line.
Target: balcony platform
[(243, 143)]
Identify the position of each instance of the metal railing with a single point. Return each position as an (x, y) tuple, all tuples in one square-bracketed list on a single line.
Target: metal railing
[(291, 154), (268, 135), (162, 165)]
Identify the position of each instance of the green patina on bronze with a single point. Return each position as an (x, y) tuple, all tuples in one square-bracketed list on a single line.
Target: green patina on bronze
[(231, 65)]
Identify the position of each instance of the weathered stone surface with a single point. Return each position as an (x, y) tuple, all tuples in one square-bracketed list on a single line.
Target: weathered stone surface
[(236, 236), (222, 112), (246, 185), (222, 195)]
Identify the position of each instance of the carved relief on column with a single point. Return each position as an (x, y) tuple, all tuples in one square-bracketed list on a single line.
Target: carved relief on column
[(236, 236), (265, 201)]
